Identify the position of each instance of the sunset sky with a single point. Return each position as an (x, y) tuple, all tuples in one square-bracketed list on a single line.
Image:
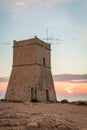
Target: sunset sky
[(66, 21)]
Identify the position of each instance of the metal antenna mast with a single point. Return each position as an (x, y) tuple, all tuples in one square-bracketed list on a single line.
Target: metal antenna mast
[(47, 35), (47, 38)]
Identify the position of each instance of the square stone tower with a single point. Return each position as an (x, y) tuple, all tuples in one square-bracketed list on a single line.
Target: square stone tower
[(31, 77)]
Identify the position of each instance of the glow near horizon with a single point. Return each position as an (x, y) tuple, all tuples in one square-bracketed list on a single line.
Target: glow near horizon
[(70, 88), (65, 19), (60, 87)]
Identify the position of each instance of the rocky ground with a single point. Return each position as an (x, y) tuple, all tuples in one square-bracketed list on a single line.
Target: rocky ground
[(41, 116)]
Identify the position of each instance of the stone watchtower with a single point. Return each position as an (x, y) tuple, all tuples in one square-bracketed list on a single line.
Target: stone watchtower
[(31, 77)]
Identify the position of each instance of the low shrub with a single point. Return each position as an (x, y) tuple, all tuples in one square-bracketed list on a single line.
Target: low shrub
[(83, 103), (64, 101), (57, 101)]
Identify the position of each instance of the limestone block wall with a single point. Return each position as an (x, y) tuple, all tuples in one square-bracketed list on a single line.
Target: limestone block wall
[(45, 83), (21, 80), (24, 55), (43, 52)]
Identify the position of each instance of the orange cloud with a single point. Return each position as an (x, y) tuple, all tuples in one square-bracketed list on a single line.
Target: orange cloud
[(3, 86), (70, 88)]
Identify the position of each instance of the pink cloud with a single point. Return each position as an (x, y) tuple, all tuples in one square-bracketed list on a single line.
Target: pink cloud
[(3, 86), (70, 88)]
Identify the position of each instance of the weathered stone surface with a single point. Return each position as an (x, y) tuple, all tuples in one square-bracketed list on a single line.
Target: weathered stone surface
[(31, 77)]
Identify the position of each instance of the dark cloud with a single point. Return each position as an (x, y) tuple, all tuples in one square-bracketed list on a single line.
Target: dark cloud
[(4, 79), (74, 78)]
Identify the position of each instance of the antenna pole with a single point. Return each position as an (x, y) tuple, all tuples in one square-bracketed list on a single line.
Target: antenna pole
[(47, 35)]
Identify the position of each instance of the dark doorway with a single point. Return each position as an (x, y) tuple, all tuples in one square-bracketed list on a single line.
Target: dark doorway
[(33, 94), (44, 61), (47, 95)]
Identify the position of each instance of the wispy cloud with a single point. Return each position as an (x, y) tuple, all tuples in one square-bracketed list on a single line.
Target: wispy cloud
[(72, 78), (3, 84), (65, 85), (4, 79), (45, 3), (19, 8), (16, 5)]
